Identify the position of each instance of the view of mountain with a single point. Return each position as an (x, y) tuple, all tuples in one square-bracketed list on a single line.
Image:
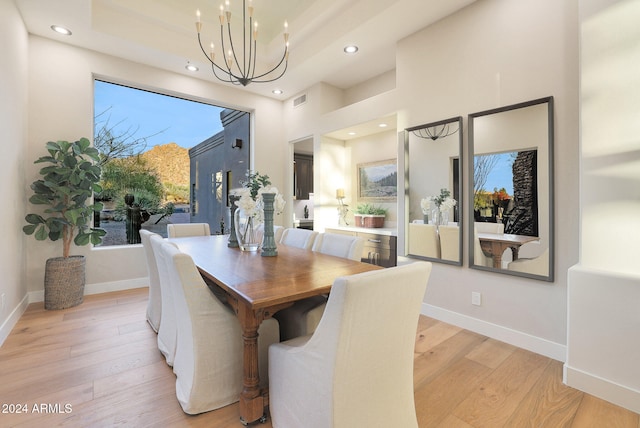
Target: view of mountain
[(171, 162)]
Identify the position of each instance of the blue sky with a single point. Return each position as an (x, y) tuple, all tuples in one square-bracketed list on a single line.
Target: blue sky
[(501, 175), (186, 123)]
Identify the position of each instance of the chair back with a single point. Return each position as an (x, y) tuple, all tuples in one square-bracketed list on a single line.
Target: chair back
[(449, 243), (179, 230), (154, 305), (483, 227), (300, 238), (167, 336), (360, 357), (334, 244), (423, 240), (479, 258)]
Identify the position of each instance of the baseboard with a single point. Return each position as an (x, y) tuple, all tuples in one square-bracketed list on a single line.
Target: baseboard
[(12, 319), (102, 287), (602, 388), (522, 340)]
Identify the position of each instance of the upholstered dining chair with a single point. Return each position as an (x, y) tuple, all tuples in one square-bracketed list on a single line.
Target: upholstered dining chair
[(154, 305), (178, 230), (334, 244), (209, 355), (423, 240), (484, 227), (449, 243), (300, 238), (167, 332), (356, 370), (303, 317), (535, 265)]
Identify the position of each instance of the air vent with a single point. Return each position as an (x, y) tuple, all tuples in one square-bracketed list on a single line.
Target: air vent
[(300, 100)]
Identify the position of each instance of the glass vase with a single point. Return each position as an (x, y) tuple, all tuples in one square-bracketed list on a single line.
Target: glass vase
[(249, 239)]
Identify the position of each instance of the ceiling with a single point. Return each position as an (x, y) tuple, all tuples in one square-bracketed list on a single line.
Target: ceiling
[(162, 34)]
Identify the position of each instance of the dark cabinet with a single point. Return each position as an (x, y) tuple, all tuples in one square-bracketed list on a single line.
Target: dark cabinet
[(380, 250), (302, 176)]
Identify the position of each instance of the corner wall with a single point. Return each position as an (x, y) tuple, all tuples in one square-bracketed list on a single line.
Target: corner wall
[(604, 288), (13, 122)]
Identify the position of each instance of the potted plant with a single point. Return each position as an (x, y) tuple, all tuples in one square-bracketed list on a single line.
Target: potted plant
[(367, 215), (68, 181)]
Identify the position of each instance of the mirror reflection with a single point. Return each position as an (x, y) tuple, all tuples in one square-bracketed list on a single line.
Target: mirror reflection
[(511, 189), (433, 153)]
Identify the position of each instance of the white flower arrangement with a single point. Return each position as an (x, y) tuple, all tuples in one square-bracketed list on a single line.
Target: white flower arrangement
[(443, 202), (250, 194)]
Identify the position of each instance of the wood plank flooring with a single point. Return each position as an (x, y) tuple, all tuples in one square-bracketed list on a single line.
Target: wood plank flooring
[(97, 365)]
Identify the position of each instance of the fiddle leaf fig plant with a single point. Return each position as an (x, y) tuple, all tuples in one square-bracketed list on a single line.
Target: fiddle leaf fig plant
[(68, 183)]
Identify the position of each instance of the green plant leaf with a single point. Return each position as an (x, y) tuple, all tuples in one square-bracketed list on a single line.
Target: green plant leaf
[(41, 233)]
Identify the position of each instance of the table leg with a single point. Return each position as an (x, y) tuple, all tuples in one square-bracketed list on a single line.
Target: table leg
[(252, 402), (514, 252)]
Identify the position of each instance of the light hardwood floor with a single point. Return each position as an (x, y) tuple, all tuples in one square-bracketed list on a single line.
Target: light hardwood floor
[(101, 361)]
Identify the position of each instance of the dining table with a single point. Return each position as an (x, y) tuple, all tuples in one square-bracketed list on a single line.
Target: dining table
[(258, 286), (494, 245)]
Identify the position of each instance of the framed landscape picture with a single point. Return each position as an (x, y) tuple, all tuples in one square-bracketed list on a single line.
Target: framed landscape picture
[(378, 181)]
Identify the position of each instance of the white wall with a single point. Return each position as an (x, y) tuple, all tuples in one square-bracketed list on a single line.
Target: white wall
[(61, 107), (13, 122), (373, 148), (495, 53), (604, 289), (492, 53)]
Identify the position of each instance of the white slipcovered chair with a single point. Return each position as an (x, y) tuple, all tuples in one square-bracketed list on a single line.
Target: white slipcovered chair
[(479, 258), (209, 355), (536, 265), (188, 229), (423, 240), (356, 370), (300, 238), (303, 317), (154, 305), (449, 243), (334, 244), (167, 336)]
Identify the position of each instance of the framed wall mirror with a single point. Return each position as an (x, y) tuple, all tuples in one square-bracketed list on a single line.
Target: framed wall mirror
[(511, 190), (433, 154)]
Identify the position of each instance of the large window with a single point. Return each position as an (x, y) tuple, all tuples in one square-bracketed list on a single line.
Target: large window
[(144, 140)]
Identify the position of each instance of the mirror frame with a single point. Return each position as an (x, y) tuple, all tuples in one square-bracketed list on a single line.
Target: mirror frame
[(461, 219), (550, 167)]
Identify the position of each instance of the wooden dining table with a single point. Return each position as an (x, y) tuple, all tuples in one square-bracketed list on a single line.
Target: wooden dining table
[(494, 244), (256, 287)]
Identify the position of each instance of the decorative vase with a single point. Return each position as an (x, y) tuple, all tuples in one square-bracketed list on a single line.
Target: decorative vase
[(425, 218), (233, 239), (246, 231), (269, 247)]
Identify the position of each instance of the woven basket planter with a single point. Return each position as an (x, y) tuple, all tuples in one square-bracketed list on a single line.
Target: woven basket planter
[(64, 282)]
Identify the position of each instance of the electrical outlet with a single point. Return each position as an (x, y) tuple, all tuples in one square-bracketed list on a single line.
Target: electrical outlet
[(476, 298)]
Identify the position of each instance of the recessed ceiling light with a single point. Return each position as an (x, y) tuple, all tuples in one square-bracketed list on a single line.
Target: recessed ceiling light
[(61, 30), (350, 49), (383, 125), (351, 133), (191, 67), (277, 91)]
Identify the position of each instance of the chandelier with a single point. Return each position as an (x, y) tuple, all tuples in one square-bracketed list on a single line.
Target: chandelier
[(239, 67), (436, 131)]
